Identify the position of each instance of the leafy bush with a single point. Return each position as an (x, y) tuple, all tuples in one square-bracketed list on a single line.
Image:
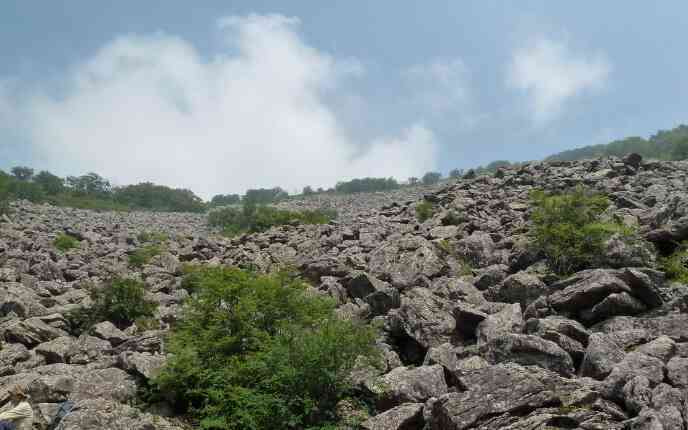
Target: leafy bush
[(24, 190), (676, 265), (456, 173), (147, 195), (252, 219), (424, 211), (151, 236), (64, 242), (366, 185), (225, 200), (568, 229), (143, 255), (263, 196), (431, 178), (259, 352), (664, 145), (51, 184), (120, 301)]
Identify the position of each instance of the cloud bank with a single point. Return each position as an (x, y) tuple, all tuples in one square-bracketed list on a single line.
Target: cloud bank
[(151, 107), (441, 85), (551, 75)]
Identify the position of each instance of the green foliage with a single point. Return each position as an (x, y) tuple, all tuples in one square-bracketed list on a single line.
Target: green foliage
[(22, 173), (65, 242), (90, 184), (225, 200), (453, 218), (259, 352), (143, 255), (92, 191), (71, 200), (120, 301), (308, 190), (568, 230), (456, 173), (147, 195), (431, 178), (664, 145), (51, 184), (263, 196), (366, 185), (25, 190), (676, 265), (152, 236), (424, 211), (252, 219)]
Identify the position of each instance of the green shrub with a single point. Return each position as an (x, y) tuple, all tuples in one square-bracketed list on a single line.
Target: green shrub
[(143, 255), (424, 211), (252, 219), (568, 230), (120, 301), (64, 242), (676, 265), (151, 236), (258, 352)]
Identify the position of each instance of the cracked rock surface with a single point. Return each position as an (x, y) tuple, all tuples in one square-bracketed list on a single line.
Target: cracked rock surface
[(478, 333)]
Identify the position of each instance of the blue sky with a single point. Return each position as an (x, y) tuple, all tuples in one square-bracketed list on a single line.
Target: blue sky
[(221, 96)]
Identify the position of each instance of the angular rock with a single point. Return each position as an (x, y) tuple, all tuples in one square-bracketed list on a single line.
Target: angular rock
[(408, 416), (600, 357), (509, 388), (520, 288), (677, 372), (634, 364), (107, 331), (508, 320), (410, 385), (530, 350)]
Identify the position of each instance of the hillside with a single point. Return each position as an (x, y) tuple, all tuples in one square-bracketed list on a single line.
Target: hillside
[(477, 330), (664, 145)]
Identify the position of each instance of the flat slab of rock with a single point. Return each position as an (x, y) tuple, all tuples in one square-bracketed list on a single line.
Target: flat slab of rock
[(492, 391), (408, 416)]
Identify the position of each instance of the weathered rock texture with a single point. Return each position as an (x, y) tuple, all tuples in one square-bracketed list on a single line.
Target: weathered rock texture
[(477, 332)]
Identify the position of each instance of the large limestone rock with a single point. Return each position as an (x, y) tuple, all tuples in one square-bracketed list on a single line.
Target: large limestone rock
[(508, 387), (408, 416), (404, 385)]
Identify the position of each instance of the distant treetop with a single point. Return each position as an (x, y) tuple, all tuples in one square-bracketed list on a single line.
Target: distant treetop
[(664, 145)]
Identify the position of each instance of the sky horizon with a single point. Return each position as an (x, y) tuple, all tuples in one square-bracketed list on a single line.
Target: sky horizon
[(223, 97)]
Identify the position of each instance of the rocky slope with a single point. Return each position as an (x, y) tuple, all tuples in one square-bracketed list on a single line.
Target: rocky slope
[(478, 334)]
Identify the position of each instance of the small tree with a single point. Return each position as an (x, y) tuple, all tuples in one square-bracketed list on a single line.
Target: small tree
[(424, 211), (456, 173), (120, 301), (413, 180), (431, 178), (568, 230), (307, 190), (22, 173), (51, 184), (258, 352), (89, 184)]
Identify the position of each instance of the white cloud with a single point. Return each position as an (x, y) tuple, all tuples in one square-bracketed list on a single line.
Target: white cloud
[(440, 85), (152, 108), (551, 75)]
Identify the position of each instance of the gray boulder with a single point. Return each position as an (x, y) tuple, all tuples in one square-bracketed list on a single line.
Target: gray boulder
[(530, 350), (508, 320), (410, 385), (677, 372), (408, 416), (509, 388), (520, 287)]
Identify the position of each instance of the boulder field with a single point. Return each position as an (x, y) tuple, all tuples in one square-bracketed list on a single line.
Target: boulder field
[(477, 332)]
